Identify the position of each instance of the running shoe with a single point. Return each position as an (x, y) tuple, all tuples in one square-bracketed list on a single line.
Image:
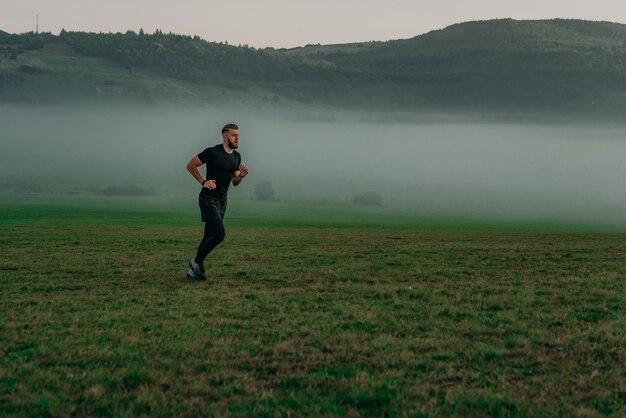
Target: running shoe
[(195, 270)]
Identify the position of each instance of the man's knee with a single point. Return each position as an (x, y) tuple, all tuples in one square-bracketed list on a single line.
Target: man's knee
[(220, 235)]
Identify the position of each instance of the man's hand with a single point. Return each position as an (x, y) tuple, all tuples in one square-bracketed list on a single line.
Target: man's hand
[(243, 170), (240, 174), (210, 184)]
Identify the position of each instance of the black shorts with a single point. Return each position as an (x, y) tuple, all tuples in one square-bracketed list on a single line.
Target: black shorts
[(211, 207)]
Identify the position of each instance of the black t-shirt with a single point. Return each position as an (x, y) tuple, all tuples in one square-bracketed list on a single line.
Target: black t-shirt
[(220, 166)]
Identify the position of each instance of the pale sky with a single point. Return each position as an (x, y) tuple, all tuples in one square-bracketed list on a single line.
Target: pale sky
[(288, 23)]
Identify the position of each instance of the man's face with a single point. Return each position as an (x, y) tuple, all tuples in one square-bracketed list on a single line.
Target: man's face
[(232, 138)]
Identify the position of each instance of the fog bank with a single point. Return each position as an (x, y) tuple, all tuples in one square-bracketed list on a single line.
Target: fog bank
[(448, 166)]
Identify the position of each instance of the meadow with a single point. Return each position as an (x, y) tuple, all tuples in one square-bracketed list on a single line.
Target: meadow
[(309, 310)]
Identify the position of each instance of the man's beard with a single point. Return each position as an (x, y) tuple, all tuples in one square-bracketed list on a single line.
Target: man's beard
[(232, 145)]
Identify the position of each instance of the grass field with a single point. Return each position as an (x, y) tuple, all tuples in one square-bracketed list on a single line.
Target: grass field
[(309, 311)]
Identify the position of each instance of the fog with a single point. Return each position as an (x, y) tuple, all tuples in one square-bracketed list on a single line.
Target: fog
[(438, 165)]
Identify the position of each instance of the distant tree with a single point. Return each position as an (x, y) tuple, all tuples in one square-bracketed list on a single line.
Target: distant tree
[(367, 199), (264, 191), (130, 190)]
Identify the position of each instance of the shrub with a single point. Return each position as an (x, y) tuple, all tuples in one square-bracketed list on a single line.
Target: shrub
[(367, 199), (264, 191), (131, 190)]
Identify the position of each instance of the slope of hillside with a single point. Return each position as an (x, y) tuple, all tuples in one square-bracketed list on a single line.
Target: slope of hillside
[(54, 73)]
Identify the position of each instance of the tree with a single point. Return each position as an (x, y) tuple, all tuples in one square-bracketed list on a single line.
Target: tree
[(264, 191), (367, 199)]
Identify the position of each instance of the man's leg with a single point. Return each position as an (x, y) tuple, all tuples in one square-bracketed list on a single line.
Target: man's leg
[(207, 235), (214, 234)]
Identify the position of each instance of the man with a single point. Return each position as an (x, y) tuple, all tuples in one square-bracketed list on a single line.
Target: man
[(223, 165)]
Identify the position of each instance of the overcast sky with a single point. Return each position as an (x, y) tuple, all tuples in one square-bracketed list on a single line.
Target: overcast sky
[(288, 23)]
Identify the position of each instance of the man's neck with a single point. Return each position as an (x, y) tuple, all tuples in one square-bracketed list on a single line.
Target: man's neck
[(228, 149)]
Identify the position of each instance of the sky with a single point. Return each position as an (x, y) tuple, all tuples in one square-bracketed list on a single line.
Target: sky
[(288, 23)]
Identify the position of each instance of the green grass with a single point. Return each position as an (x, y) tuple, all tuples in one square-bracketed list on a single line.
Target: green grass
[(98, 69), (182, 211), (321, 313), (67, 73)]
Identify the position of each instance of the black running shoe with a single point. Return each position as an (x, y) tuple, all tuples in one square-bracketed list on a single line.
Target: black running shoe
[(195, 270), (191, 275)]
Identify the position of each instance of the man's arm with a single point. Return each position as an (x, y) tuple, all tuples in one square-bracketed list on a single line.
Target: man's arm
[(192, 167), (240, 174)]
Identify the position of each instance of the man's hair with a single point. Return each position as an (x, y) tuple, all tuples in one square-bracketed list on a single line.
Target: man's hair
[(228, 127)]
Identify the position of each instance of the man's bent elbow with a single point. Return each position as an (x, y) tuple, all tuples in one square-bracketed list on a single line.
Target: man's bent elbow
[(193, 164)]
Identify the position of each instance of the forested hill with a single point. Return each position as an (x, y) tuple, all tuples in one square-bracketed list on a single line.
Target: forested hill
[(569, 64), (562, 66)]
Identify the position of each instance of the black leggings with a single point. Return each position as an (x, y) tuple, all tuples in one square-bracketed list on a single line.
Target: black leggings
[(214, 233)]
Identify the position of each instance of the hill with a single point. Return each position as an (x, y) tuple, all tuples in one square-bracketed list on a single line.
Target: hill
[(547, 66), (544, 65), (142, 68)]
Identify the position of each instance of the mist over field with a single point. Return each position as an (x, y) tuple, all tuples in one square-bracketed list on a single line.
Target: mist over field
[(444, 165)]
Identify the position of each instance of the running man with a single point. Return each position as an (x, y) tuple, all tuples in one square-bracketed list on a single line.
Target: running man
[(223, 165)]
